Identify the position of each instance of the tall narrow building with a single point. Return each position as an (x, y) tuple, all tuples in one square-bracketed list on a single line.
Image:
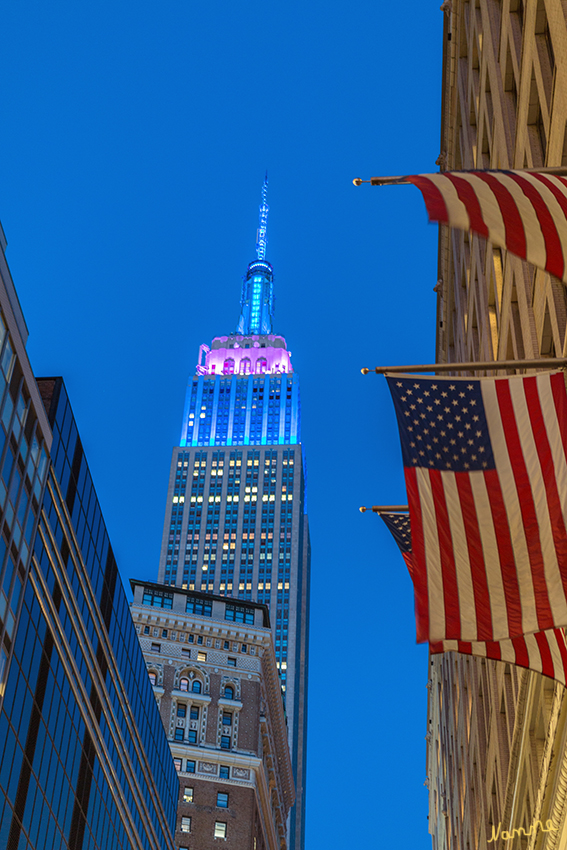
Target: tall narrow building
[(235, 521)]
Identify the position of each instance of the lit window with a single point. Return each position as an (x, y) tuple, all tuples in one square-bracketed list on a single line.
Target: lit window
[(153, 678), (157, 598), (239, 614), (220, 830), (199, 606), (224, 771), (188, 795), (177, 764), (222, 800), (225, 742), (201, 656), (185, 825)]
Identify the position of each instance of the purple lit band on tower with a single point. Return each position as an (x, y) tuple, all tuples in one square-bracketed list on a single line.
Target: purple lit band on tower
[(255, 355)]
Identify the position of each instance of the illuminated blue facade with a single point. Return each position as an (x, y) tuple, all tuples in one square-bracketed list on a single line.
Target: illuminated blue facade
[(257, 299), (245, 392), (257, 410), (235, 521)]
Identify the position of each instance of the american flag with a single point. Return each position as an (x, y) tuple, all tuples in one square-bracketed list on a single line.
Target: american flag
[(486, 476), (399, 526), (545, 652), (524, 212)]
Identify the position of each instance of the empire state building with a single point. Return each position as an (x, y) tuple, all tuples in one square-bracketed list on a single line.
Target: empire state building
[(235, 521)]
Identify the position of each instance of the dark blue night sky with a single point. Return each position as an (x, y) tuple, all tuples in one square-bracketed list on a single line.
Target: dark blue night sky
[(135, 137)]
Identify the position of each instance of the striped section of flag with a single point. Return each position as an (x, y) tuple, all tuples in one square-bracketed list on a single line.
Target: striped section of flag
[(486, 474), (545, 652), (526, 213)]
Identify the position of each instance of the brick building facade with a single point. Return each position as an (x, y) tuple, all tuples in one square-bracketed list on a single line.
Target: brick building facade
[(212, 665)]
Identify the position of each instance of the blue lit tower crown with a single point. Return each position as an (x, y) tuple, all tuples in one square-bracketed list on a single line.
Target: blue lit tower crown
[(255, 400), (235, 520)]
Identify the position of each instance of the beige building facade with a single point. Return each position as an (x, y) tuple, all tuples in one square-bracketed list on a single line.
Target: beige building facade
[(213, 669), (497, 735)]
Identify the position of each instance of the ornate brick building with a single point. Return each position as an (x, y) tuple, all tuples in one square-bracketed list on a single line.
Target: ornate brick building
[(213, 668)]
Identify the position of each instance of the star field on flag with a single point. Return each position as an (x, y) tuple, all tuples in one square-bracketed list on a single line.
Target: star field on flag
[(399, 526), (445, 425), (486, 475)]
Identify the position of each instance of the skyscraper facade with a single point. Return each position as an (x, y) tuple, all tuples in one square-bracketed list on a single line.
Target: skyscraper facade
[(84, 760), (235, 521), (497, 742)]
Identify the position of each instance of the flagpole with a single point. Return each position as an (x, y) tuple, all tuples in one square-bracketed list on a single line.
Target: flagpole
[(484, 366), (385, 509), (396, 181)]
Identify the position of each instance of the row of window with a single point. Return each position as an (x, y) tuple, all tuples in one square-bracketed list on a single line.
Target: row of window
[(193, 711), (195, 605), (224, 771), (201, 656), (194, 687), (219, 830), (222, 797), (179, 736)]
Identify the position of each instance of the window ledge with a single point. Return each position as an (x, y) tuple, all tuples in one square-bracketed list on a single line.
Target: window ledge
[(158, 690), (202, 698), (230, 703)]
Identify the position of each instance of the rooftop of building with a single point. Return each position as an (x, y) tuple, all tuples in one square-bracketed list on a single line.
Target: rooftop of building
[(205, 597)]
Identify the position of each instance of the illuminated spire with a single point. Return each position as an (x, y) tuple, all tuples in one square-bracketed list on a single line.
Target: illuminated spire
[(261, 233), (257, 299)]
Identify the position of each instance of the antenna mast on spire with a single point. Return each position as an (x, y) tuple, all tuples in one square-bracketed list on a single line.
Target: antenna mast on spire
[(261, 233)]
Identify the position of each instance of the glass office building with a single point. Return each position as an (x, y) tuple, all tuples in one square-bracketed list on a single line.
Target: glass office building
[(84, 760), (236, 521)]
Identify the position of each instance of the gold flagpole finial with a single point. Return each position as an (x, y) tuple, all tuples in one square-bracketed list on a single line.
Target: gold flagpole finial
[(365, 371), (358, 182), (363, 510)]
